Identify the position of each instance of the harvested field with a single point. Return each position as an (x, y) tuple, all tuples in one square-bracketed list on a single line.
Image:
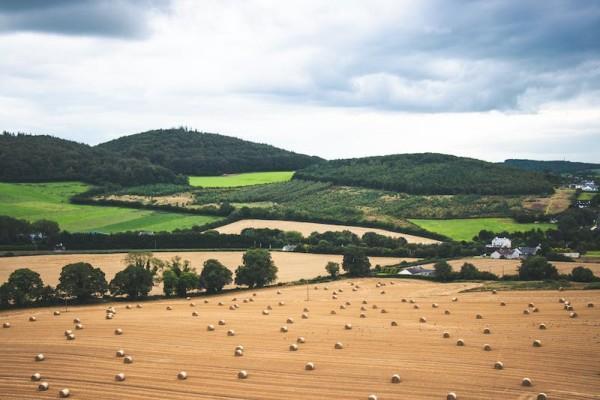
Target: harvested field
[(292, 266), (509, 267), (306, 228), (162, 343)]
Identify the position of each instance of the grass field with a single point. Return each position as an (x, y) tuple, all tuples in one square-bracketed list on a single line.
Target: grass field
[(465, 229), (163, 342), (586, 195), (247, 179), (33, 201)]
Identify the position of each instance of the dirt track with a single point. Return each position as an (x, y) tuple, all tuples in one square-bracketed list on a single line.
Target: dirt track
[(306, 228), (164, 342), (292, 266)]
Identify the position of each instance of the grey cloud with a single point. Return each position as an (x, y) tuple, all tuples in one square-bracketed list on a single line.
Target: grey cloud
[(109, 18)]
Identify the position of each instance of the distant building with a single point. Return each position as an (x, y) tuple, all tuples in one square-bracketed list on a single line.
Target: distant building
[(508, 254), (500, 242), (146, 233), (571, 255), (289, 247), (417, 271), (529, 251)]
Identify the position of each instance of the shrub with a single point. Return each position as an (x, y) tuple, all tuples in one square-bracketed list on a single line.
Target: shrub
[(257, 269), (582, 274), (82, 280), (214, 276), (333, 269), (537, 268)]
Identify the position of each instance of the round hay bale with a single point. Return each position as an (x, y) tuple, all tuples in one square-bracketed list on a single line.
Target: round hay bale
[(363, 308), (364, 302), (487, 347), (192, 304), (279, 292), (422, 320), (68, 332), (394, 323), (568, 307), (182, 375), (526, 382), (128, 306), (487, 331), (338, 346), (502, 303), (325, 288), (293, 347), (281, 303), (535, 309), (71, 336), (341, 290), (232, 307), (304, 316), (231, 332), (348, 303), (195, 314), (447, 312), (460, 342), (265, 312), (382, 292), (560, 289), (210, 327), (138, 306), (334, 297), (494, 291), (64, 393), (239, 347), (283, 329), (290, 320), (455, 299), (120, 377), (301, 339), (76, 320), (451, 396), (530, 305), (310, 366), (525, 312), (573, 315), (434, 305), (245, 300), (342, 307), (403, 300), (120, 353), (416, 306), (79, 327), (372, 397), (332, 312), (205, 301), (542, 396), (36, 377), (109, 316), (118, 331), (220, 303), (269, 307), (43, 386), (32, 319), (169, 308), (498, 365), (383, 311), (221, 322), (40, 357), (590, 305), (561, 300), (234, 299), (348, 326), (188, 298), (396, 378), (537, 343), (242, 374), (446, 335), (363, 315), (412, 301), (479, 316), (354, 289), (128, 360), (374, 306), (56, 313), (238, 353), (251, 300), (254, 294), (542, 326)]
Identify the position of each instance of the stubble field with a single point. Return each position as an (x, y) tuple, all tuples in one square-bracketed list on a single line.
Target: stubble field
[(164, 342)]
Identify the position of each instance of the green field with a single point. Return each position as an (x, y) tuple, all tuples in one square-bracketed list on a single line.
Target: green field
[(465, 229), (247, 179), (586, 195), (51, 201)]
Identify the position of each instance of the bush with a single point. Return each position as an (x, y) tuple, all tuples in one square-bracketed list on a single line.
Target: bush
[(356, 262), (537, 268), (582, 274), (214, 276), (82, 280), (257, 270), (333, 269), (134, 281)]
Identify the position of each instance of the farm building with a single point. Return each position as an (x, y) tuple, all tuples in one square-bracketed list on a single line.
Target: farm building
[(508, 254), (529, 251), (417, 271), (500, 242)]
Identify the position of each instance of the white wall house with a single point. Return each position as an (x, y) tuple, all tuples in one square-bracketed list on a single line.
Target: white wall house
[(501, 242), (508, 254)]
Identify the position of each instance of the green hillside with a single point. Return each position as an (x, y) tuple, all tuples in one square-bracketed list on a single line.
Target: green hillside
[(236, 180), (197, 153), (34, 201), (428, 173), (556, 167)]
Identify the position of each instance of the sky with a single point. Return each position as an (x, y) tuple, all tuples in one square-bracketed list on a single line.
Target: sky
[(490, 79)]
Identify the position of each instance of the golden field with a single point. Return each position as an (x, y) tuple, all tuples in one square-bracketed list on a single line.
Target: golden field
[(164, 342)]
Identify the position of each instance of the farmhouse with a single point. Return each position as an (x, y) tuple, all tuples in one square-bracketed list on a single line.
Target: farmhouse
[(417, 271), (500, 242), (529, 251), (508, 254)]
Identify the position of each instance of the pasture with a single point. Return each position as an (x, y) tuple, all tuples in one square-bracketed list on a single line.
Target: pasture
[(586, 195), (403, 341), (33, 201), (306, 228), (467, 228), (245, 179), (292, 266)]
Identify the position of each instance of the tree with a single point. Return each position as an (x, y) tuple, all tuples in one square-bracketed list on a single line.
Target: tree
[(356, 262), (82, 280), (257, 269), (537, 268), (443, 271), (214, 276), (582, 274), (23, 286), (146, 260), (134, 281), (333, 269), (468, 271), (178, 277)]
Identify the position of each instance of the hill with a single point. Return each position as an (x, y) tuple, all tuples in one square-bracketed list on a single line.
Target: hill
[(197, 153), (42, 158), (428, 173), (555, 167)]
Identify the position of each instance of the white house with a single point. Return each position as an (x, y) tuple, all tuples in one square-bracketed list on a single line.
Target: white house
[(501, 242), (417, 271), (509, 254)]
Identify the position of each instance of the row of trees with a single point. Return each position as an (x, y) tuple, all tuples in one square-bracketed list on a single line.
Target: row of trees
[(83, 282)]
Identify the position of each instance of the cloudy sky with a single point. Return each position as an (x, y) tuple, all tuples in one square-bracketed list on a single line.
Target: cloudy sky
[(491, 79)]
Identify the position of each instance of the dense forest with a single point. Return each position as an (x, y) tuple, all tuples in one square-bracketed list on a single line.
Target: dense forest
[(196, 153), (555, 167), (428, 173), (29, 158)]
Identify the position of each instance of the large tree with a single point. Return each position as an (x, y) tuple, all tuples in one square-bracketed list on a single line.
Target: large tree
[(82, 280), (179, 277), (146, 260), (214, 276), (23, 286), (582, 274), (537, 268), (333, 269), (443, 271), (134, 281), (356, 262), (257, 269)]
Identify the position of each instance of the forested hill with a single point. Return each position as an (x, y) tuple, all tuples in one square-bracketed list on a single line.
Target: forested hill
[(555, 167), (197, 153), (29, 158), (428, 173)]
